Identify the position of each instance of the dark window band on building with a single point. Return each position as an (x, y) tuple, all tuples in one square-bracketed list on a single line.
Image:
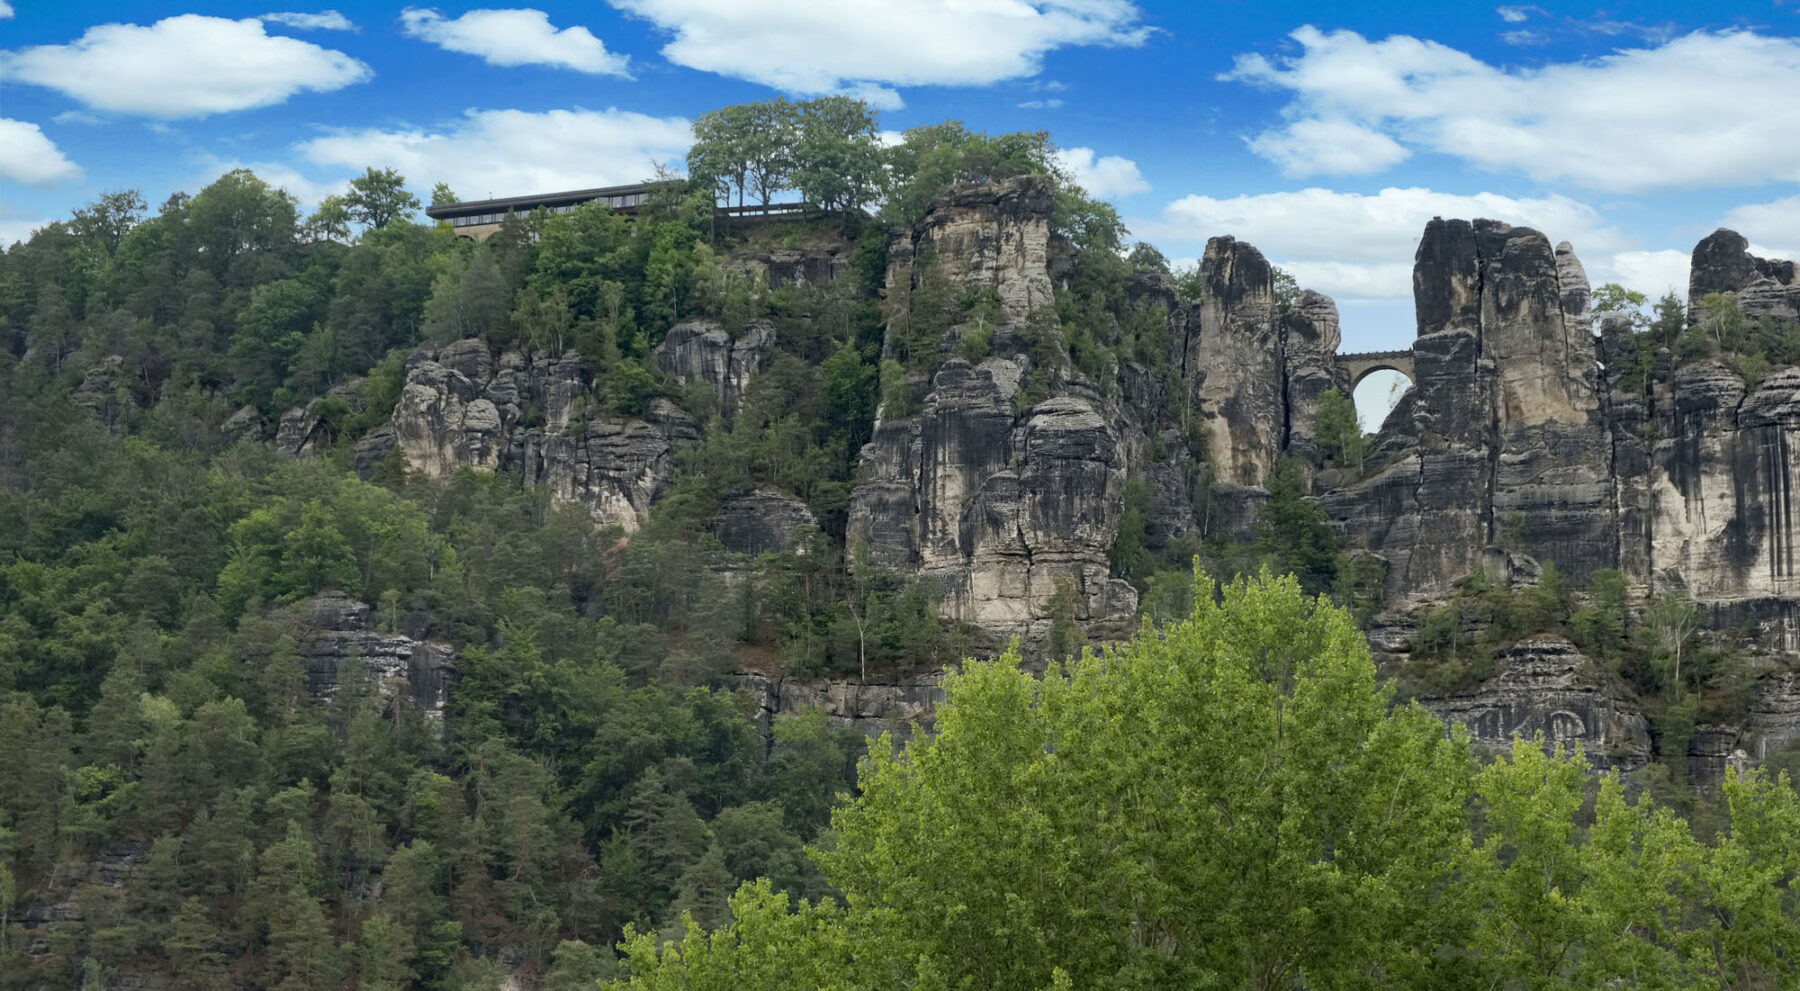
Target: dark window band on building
[(481, 213)]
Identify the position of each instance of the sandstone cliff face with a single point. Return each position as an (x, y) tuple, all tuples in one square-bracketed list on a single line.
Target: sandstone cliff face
[(701, 351), (1722, 263), (997, 506), (1526, 429), (1234, 362), (992, 234), (461, 408), (1310, 337), (403, 671), (901, 706), (1544, 685), (1503, 434)]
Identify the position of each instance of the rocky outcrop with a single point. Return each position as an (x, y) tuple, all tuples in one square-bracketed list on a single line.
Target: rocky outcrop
[(901, 706), (762, 521), (1310, 338), (335, 632), (245, 425), (1503, 436), (1764, 287), (99, 382), (997, 508), (1545, 685), (463, 408), (1724, 467), (994, 234), (701, 351), (1234, 363)]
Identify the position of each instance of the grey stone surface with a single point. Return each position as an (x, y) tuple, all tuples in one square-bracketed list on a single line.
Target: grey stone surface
[(765, 520), (901, 706), (1544, 685), (701, 351), (335, 631), (462, 408)]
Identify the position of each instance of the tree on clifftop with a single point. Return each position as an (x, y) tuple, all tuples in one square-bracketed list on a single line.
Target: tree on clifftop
[(378, 197)]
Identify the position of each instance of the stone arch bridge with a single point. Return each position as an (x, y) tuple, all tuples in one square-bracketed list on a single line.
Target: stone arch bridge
[(1358, 364)]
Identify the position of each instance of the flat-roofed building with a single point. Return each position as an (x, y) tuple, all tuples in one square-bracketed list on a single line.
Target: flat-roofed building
[(480, 218)]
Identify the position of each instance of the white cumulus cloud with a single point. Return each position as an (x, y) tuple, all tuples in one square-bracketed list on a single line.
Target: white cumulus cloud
[(514, 37), (1360, 246), (1652, 273), (5, 10), (514, 152), (1775, 224), (27, 156), (1107, 177), (1705, 109), (1333, 146), (324, 20), (184, 66), (870, 46)]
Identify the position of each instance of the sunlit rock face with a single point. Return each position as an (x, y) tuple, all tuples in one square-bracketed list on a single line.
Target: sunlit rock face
[(462, 408)]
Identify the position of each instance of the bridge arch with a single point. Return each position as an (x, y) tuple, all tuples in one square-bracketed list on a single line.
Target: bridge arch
[(1358, 365)]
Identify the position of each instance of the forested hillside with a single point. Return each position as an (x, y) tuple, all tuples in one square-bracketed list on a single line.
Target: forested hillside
[(375, 606), (590, 771)]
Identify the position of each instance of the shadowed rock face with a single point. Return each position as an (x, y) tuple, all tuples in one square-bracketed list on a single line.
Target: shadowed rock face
[(759, 522), (335, 632), (1543, 686), (1722, 263), (1504, 431)]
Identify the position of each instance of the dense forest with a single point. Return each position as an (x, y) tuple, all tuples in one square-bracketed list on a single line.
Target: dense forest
[(596, 786)]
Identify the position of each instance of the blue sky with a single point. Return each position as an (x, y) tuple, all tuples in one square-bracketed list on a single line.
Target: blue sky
[(1325, 134)]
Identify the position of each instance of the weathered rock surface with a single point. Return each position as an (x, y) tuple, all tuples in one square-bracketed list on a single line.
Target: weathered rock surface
[(901, 706), (1310, 338), (99, 382), (1528, 428), (701, 351), (460, 408), (1764, 287), (335, 632), (1234, 362), (1541, 686), (763, 521), (1503, 434), (244, 425), (997, 508), (991, 234)]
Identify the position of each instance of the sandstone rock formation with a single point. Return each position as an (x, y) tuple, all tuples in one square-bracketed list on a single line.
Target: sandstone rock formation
[(1544, 685), (762, 521), (335, 632), (1533, 436), (701, 351), (1233, 360), (1503, 435), (1722, 263), (462, 408), (902, 706)]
